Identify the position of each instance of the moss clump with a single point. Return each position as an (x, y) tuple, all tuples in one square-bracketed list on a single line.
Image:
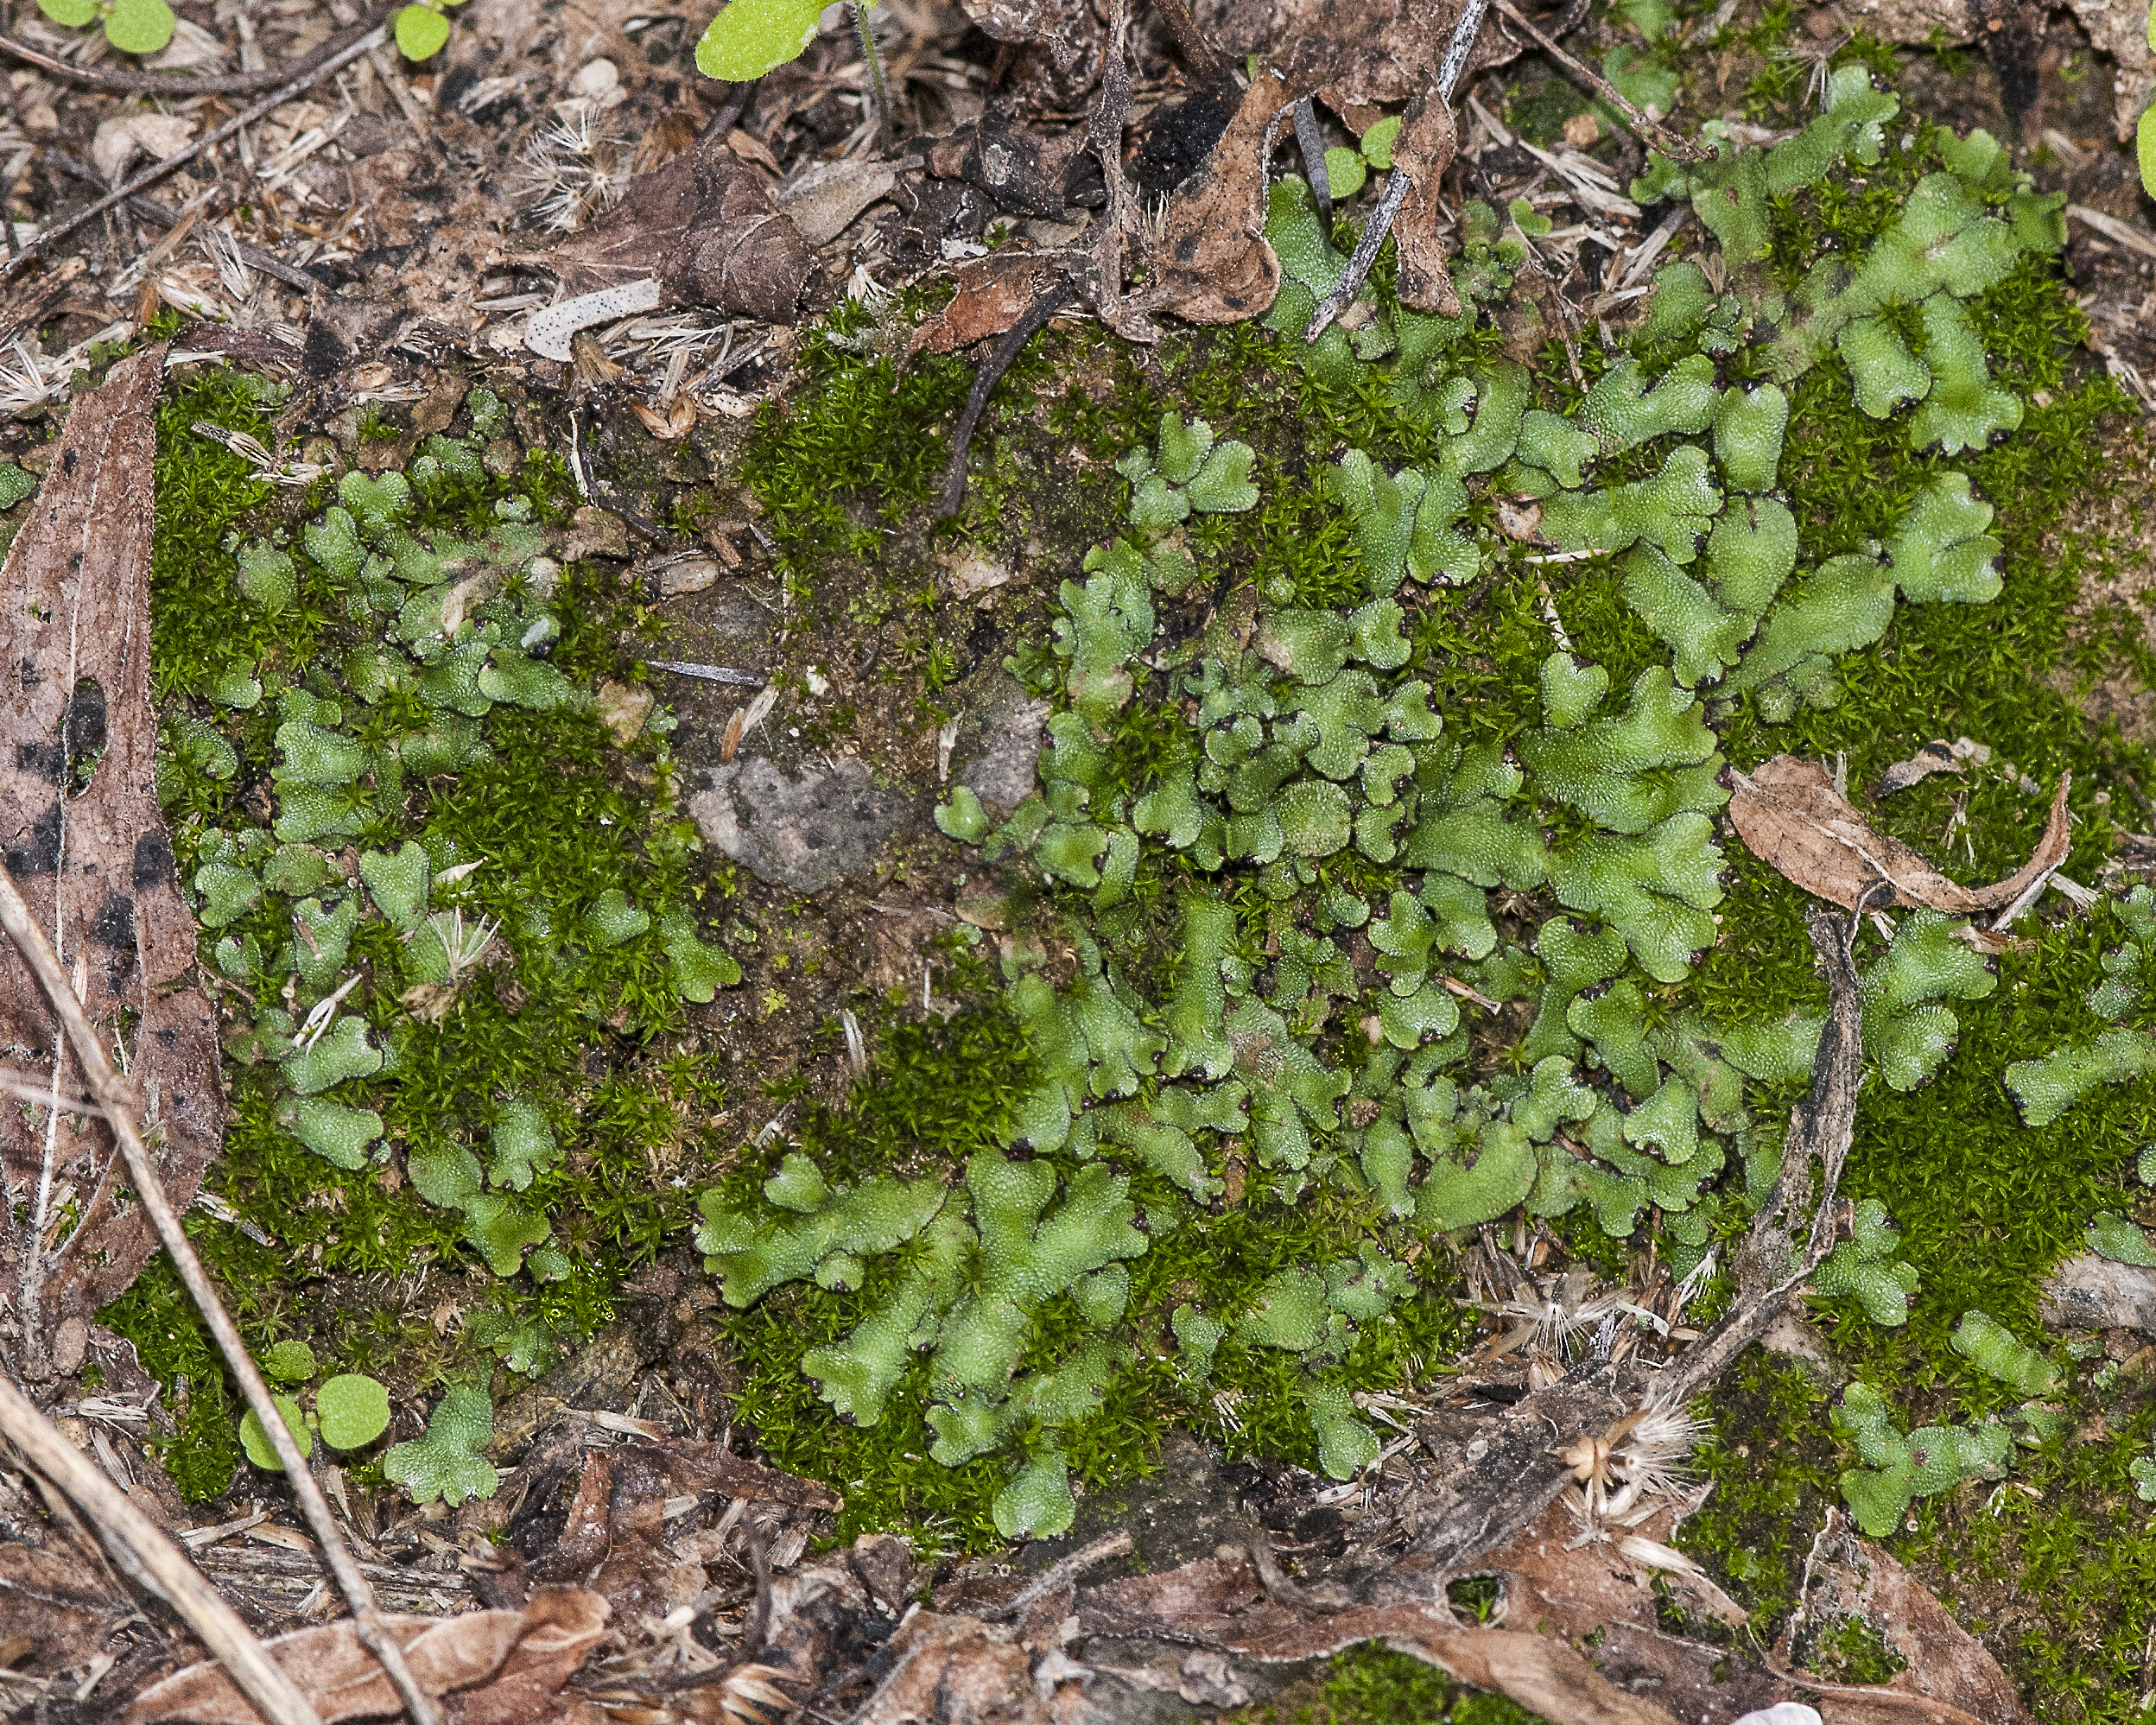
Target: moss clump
[(449, 917)]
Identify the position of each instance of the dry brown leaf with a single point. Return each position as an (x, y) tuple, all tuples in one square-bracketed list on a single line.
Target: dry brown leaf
[(1422, 153), (1019, 170), (704, 225), (1790, 816), (1216, 265), (1950, 1677), (96, 865), (1220, 1604), (993, 292), (505, 1667), (955, 1669), (675, 423)]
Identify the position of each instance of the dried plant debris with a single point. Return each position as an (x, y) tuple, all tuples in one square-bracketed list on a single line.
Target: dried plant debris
[(1789, 814), (85, 840), (499, 1664)]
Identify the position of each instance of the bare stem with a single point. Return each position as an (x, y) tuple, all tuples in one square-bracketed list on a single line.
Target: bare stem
[(878, 93)]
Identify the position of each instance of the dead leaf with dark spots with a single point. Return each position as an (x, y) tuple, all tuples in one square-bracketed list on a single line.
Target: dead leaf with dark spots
[(1021, 171), (1064, 30), (87, 844), (1215, 264), (1790, 816), (504, 1668), (704, 226)]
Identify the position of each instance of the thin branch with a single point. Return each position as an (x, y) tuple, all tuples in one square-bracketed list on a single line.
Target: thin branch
[(178, 85), (1649, 130), (153, 1559), (986, 379), (114, 1095), (1311, 142), (298, 85)]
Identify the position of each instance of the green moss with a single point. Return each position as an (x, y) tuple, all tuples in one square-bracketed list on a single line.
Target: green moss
[(1370, 1684)]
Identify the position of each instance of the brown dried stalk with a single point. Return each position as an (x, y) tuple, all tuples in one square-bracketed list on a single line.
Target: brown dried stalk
[(115, 1097), (152, 1559)]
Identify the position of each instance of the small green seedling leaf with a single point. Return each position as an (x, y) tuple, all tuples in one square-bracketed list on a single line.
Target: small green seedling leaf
[(523, 1144), (613, 920), (422, 32), (288, 1362), (341, 1053), (750, 37), (337, 1134), (701, 970), (397, 882), (377, 506), (15, 485), (139, 26), (1991, 1346), (445, 1462), (1345, 172), (73, 14), (963, 818), (353, 1409), (256, 1442)]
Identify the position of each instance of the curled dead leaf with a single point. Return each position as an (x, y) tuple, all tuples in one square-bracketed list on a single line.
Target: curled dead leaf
[(1936, 756), (704, 227), (1790, 816)]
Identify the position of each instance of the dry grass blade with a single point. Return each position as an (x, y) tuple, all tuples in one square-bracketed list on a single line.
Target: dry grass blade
[(151, 1558)]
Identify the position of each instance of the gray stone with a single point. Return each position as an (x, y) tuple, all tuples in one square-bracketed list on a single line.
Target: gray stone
[(2089, 1292), (809, 833), (1001, 741)]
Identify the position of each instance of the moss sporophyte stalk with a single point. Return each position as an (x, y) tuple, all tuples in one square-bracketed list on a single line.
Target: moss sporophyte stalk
[(1370, 893)]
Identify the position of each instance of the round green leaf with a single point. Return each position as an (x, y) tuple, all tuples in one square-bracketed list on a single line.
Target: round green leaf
[(289, 1362), (73, 13), (354, 1410), (138, 25), (2145, 134), (750, 37), (256, 1442), (421, 32)]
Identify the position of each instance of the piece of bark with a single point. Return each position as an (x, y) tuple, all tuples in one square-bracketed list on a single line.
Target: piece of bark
[(95, 865), (703, 226), (1790, 816), (1216, 266), (504, 1668)]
